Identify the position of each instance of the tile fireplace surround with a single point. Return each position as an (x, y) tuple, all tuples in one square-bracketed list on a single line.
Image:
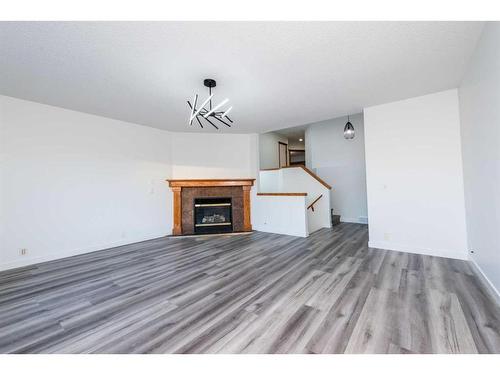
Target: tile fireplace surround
[(185, 191)]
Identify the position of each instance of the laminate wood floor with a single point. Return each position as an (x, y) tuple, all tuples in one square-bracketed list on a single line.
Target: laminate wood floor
[(255, 293)]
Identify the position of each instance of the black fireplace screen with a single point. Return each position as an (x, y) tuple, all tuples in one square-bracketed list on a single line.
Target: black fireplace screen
[(212, 215)]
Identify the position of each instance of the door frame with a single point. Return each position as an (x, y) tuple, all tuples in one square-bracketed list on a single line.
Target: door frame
[(279, 154)]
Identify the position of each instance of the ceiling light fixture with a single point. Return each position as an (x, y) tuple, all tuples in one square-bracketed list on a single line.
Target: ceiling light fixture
[(348, 130), (202, 113), (300, 139)]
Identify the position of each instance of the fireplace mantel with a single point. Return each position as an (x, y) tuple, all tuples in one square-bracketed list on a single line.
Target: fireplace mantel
[(179, 185), (212, 182)]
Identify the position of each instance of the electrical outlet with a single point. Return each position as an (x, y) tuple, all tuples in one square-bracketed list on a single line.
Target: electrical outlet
[(23, 251), (387, 236)]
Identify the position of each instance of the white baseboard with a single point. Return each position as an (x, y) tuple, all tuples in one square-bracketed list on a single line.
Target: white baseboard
[(486, 281), (352, 220), (265, 229), (410, 249), (66, 254)]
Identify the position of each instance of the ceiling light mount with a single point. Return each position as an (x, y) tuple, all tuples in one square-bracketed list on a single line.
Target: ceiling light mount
[(209, 82), (212, 113)]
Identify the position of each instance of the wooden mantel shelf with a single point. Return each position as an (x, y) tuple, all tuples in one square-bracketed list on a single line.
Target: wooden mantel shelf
[(179, 185), (211, 182)]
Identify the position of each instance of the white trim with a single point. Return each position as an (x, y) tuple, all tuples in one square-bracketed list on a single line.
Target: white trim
[(66, 254), (492, 289), (410, 249)]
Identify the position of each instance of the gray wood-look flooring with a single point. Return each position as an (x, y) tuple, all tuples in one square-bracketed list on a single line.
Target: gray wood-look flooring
[(255, 293)]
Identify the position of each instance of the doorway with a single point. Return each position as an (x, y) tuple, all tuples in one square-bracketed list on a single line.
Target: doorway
[(282, 155), (297, 157)]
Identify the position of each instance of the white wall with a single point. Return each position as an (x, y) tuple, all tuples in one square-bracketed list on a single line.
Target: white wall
[(268, 149), (271, 181), (341, 163), (73, 182), (414, 176), (201, 155), (479, 96), (281, 214)]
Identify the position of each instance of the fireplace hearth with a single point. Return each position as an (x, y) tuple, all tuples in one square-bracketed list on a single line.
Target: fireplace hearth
[(212, 215)]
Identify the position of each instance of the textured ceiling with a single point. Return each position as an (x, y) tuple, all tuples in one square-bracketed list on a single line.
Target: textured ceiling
[(276, 74)]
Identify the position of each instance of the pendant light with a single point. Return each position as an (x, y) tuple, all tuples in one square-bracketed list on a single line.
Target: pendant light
[(348, 130)]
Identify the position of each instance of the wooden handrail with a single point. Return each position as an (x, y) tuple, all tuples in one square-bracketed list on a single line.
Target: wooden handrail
[(307, 170), (311, 206)]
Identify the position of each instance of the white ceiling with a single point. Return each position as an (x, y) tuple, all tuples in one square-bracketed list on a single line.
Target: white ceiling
[(276, 74), (294, 133)]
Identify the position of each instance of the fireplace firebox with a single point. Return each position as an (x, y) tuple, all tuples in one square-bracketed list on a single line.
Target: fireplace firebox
[(212, 215)]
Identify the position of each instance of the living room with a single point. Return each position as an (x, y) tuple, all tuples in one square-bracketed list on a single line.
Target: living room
[(249, 187)]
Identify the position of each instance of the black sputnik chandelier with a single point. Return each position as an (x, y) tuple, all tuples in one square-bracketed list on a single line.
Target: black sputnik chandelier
[(213, 115)]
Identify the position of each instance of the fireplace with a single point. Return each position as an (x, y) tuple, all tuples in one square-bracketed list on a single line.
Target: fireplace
[(211, 206), (212, 215)]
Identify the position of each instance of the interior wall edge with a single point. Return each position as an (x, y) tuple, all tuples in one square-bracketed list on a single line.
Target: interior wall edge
[(495, 293)]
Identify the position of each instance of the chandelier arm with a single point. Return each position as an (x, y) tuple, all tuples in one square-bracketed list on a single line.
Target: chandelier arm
[(202, 106), (211, 123), (227, 112), (225, 123), (216, 107), (199, 122), (231, 121), (195, 101), (191, 118)]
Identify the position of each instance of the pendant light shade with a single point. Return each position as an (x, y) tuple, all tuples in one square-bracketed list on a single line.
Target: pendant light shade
[(348, 130)]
